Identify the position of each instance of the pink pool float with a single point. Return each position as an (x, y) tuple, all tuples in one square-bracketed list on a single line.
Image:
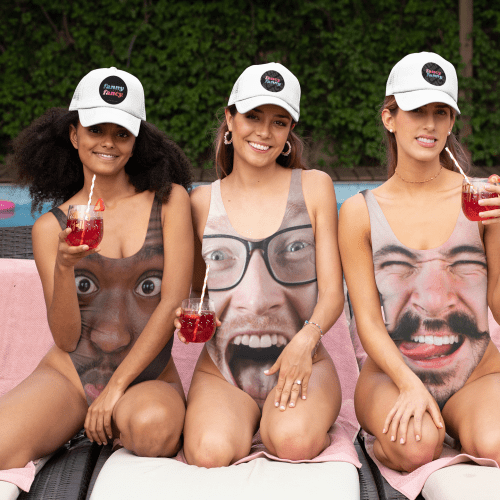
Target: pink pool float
[(6, 209)]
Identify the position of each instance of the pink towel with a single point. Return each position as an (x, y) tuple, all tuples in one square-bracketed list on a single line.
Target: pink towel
[(24, 337), (338, 343), (411, 484)]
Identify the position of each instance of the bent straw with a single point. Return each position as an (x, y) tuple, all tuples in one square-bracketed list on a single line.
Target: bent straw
[(458, 166)]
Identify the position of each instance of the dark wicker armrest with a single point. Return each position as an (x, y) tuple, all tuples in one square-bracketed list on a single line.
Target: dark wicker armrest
[(15, 242)]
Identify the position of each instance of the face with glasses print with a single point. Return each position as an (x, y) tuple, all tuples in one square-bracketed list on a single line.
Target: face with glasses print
[(263, 292)]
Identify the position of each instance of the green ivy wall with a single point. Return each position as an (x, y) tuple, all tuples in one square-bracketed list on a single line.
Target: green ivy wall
[(188, 54)]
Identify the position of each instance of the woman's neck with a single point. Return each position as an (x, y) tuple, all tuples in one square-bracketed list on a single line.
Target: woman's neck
[(112, 189)]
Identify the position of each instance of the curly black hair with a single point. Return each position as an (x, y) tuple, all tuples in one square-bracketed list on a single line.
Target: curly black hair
[(46, 161)]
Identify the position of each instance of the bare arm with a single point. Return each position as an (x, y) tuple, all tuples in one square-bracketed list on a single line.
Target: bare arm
[(295, 362), (55, 261)]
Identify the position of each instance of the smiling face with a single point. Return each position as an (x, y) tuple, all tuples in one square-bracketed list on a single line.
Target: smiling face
[(104, 148), (421, 133), (116, 299), (435, 310), (260, 135)]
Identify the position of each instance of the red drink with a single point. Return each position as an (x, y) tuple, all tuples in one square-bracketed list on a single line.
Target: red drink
[(470, 205), (197, 327), (84, 232)]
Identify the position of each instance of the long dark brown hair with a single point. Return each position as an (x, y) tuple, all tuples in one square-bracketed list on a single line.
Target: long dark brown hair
[(457, 150), (224, 154)]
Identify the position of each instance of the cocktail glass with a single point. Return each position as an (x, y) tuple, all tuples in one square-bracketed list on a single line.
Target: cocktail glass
[(86, 226), (197, 325), (472, 192)]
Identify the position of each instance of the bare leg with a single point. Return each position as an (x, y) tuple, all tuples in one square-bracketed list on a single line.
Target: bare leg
[(38, 416), (221, 420), (302, 432), (149, 419), (375, 395), (471, 414)]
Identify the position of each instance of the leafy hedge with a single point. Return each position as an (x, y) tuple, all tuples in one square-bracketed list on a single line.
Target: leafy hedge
[(189, 53)]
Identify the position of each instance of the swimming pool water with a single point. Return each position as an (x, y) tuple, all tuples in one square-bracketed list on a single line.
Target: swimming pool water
[(21, 215)]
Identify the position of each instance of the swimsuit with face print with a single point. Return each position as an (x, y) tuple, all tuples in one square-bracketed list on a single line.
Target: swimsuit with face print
[(433, 301), (116, 299), (263, 290)]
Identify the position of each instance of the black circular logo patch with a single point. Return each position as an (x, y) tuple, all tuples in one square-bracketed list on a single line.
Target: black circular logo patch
[(272, 81), (113, 90), (433, 74)]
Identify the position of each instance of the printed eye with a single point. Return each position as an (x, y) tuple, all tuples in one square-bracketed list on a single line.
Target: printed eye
[(398, 267), (296, 246), (149, 287), (468, 267), (217, 255), (85, 286)]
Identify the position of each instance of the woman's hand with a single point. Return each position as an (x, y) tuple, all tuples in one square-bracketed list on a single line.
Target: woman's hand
[(295, 367), (177, 324), (494, 215), (98, 421), (413, 401), (67, 255)]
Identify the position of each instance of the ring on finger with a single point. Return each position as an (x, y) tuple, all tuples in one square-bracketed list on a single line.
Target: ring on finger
[(298, 382)]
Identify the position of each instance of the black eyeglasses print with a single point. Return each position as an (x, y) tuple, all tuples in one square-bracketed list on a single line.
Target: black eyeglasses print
[(259, 245)]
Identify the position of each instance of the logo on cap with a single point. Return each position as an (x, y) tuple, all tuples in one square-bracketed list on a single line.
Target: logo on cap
[(433, 74), (272, 81), (113, 90)]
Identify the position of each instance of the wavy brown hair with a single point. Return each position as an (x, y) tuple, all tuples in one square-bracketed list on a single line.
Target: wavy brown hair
[(46, 161), (457, 150), (224, 154)]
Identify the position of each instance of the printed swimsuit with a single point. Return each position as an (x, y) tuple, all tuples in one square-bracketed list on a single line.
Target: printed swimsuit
[(434, 301), (275, 304), (116, 299)]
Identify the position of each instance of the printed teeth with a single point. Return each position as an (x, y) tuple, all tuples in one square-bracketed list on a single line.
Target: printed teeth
[(435, 340), (428, 141), (263, 341), (259, 146)]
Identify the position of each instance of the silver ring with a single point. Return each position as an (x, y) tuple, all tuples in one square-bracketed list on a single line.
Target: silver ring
[(298, 382)]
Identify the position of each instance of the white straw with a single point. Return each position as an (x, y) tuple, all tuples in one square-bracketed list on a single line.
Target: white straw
[(203, 291), (458, 166), (90, 195)]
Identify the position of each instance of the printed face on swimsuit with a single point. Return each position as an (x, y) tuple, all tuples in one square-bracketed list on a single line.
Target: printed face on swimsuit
[(116, 298), (434, 307), (263, 292)]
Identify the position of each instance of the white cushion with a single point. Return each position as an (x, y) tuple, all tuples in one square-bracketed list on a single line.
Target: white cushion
[(463, 482), (126, 476), (8, 491)]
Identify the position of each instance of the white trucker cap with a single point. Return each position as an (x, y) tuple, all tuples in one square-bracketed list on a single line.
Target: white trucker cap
[(269, 83), (421, 78), (109, 95)]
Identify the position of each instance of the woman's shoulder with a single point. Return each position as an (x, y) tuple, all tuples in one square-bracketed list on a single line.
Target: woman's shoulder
[(355, 206), (318, 187), (200, 196)]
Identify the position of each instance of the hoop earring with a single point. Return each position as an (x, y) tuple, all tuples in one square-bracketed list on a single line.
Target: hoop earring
[(226, 140), (286, 153)]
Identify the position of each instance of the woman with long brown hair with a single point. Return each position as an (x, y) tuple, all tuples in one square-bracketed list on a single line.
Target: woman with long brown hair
[(420, 277), (268, 230)]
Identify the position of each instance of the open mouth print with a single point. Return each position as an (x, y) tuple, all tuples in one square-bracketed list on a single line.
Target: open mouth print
[(248, 355), (429, 347)]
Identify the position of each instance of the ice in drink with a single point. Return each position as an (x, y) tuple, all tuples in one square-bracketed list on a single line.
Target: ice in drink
[(197, 327)]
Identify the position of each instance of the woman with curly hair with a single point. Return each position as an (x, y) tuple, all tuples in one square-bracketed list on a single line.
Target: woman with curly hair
[(268, 231), (110, 309)]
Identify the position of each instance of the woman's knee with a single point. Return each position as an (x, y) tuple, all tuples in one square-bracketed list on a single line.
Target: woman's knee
[(210, 449), (484, 445), (295, 440), (414, 454), (153, 430)]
